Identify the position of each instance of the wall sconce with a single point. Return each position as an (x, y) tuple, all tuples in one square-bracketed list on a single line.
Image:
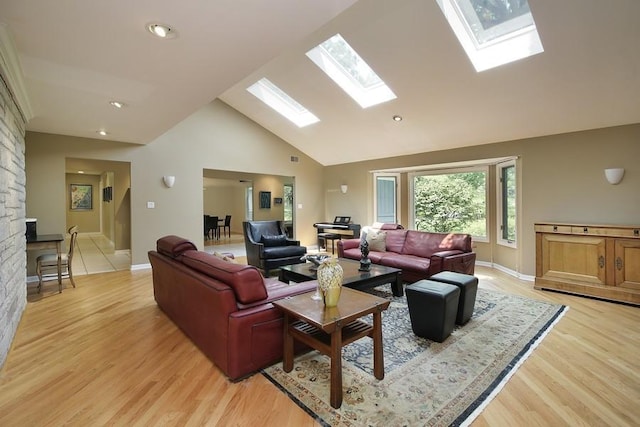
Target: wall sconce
[(344, 188), (169, 180), (614, 175)]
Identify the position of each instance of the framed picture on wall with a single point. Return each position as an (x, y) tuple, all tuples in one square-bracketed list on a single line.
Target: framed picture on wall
[(277, 200), (265, 200), (81, 196)]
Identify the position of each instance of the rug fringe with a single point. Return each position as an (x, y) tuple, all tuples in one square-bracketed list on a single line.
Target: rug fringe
[(517, 365)]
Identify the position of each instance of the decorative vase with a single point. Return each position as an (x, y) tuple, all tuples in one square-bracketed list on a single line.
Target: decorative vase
[(330, 281)]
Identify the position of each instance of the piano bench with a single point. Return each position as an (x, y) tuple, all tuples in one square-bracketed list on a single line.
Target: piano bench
[(328, 236)]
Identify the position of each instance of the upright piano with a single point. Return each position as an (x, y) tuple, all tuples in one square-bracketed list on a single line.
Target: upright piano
[(340, 228)]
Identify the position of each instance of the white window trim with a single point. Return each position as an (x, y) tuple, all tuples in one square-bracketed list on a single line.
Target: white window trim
[(520, 44), (499, 239)]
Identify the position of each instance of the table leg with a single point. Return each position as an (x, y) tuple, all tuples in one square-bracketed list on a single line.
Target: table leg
[(287, 353), (59, 250), (378, 356), (396, 288), (335, 396)]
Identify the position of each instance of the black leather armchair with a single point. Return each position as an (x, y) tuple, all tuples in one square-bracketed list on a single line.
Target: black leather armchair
[(268, 246)]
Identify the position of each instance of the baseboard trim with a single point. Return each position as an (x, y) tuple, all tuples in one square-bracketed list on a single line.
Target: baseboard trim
[(510, 272), (136, 267)]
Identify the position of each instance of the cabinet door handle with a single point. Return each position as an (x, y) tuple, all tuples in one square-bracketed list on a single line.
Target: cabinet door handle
[(586, 230), (619, 263), (555, 228), (601, 261)]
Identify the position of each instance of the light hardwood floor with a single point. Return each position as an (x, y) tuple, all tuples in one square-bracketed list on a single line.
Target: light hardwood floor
[(104, 354)]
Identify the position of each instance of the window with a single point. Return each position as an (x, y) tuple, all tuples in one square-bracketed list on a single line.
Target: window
[(288, 202), (493, 32), (277, 99), (249, 204), (386, 198), (450, 201), (507, 203), (349, 71)]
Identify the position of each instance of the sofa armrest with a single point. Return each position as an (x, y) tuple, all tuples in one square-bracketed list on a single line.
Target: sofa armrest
[(344, 244), (460, 262), (293, 242)]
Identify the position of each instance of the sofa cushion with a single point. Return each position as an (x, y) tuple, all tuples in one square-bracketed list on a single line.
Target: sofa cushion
[(426, 244), (405, 262), (245, 280), (395, 240), (271, 241), (377, 240), (264, 228), (174, 246)]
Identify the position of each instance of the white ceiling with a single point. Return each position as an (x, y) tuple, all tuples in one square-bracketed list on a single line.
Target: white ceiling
[(77, 56)]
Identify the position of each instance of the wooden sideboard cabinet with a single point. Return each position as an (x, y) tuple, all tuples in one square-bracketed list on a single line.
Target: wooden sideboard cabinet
[(602, 261)]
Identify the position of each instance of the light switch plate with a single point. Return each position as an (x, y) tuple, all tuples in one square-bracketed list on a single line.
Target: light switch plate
[(151, 205)]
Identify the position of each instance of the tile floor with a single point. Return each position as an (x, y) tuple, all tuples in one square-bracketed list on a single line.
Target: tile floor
[(94, 253)]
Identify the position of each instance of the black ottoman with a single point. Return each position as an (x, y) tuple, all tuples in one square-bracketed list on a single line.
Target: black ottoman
[(468, 289), (432, 308)]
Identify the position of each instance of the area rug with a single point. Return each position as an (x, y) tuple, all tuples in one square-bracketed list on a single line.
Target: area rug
[(426, 383)]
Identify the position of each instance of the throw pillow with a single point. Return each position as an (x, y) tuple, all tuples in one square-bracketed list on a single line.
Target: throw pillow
[(269, 241), (224, 257), (377, 241)]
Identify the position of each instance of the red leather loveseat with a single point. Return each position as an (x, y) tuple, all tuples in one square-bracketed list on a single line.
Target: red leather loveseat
[(418, 254), (223, 307)]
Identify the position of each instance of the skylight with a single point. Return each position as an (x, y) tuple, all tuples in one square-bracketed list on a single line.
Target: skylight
[(345, 67), (493, 32), (277, 99)]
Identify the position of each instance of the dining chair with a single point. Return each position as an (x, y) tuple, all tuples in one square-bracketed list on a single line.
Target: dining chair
[(226, 226), (49, 262), (212, 229)]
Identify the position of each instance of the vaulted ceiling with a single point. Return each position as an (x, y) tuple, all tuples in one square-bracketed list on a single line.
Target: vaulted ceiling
[(78, 56)]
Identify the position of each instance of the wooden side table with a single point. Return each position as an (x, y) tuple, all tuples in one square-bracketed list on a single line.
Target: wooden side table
[(328, 329)]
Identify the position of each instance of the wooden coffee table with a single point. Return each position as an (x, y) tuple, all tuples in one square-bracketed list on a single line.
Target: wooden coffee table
[(328, 329), (353, 278)]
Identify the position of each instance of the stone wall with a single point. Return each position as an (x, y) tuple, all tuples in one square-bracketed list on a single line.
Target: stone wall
[(13, 259)]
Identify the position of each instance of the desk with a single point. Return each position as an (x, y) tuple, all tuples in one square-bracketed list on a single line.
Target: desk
[(328, 329), (48, 241)]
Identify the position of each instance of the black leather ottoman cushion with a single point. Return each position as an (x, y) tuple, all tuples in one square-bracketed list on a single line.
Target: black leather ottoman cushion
[(284, 251), (432, 308), (468, 289)]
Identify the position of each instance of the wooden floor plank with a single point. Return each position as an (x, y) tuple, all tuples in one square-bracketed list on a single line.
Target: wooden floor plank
[(104, 354)]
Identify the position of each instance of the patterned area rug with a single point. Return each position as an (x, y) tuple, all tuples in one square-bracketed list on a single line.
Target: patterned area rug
[(426, 383)]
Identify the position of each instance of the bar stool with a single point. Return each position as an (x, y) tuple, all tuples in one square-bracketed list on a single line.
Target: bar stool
[(328, 236)]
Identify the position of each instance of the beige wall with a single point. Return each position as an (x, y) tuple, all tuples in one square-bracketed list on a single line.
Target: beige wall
[(560, 178), (215, 137)]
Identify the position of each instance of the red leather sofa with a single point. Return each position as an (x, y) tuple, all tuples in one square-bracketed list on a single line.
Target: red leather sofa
[(418, 254), (223, 307)]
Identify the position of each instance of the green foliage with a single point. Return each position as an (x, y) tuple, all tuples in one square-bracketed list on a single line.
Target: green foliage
[(451, 203)]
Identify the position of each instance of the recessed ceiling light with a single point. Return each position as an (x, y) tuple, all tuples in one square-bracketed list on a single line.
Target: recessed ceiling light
[(397, 118), (117, 104), (80, 171), (102, 132), (161, 30)]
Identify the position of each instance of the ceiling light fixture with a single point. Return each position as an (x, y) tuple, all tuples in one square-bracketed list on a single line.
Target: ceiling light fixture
[(117, 104), (102, 132), (397, 118), (161, 30)]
